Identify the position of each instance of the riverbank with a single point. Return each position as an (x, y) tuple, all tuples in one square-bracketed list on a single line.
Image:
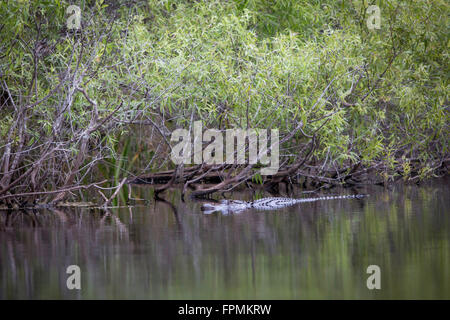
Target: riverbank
[(86, 109)]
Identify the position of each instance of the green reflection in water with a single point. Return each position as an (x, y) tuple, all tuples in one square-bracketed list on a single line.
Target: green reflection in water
[(309, 251)]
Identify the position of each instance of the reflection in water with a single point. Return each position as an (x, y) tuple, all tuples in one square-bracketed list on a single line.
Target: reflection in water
[(170, 250)]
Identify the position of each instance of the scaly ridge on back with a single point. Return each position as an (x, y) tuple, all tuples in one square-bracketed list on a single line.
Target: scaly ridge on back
[(228, 206)]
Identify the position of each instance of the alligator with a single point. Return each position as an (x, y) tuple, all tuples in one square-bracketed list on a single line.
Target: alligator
[(236, 206)]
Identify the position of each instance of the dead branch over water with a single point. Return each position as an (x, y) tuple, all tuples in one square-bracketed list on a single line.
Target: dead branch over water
[(309, 177)]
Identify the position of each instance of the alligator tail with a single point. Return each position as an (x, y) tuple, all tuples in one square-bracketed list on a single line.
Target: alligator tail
[(352, 196)]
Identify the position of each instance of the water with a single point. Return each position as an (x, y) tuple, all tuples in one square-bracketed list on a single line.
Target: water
[(173, 251)]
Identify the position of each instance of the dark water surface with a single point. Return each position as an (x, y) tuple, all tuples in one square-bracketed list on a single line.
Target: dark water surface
[(311, 250)]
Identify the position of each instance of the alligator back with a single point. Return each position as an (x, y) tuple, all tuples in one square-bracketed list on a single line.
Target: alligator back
[(229, 206)]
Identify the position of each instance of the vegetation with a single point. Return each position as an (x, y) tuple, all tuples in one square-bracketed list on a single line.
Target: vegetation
[(352, 105)]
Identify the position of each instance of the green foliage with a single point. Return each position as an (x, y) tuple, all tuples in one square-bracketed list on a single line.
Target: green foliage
[(273, 59), (257, 178)]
